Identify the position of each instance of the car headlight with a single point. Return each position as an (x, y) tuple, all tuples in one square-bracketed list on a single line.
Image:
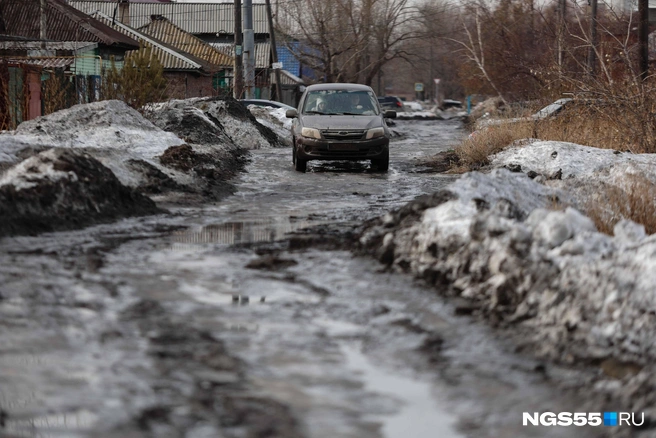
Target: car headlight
[(311, 133), (375, 133)]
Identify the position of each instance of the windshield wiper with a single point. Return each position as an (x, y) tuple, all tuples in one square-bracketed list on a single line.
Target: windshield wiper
[(314, 112)]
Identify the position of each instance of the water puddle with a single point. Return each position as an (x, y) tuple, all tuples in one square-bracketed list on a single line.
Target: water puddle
[(419, 415), (67, 425), (238, 232)]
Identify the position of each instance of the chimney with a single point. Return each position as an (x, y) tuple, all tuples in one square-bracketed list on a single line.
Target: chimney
[(124, 12)]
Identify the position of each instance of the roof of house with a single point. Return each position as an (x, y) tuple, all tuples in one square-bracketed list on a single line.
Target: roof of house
[(172, 59), (63, 23), (195, 18), (262, 53), (162, 29), (71, 46), (48, 63)]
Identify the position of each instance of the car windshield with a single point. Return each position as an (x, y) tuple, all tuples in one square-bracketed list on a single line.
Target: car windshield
[(340, 102)]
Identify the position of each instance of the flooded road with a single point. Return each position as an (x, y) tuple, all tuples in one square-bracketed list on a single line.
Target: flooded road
[(217, 322)]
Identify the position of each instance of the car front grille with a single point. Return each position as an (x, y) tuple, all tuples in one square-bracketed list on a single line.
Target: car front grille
[(343, 134)]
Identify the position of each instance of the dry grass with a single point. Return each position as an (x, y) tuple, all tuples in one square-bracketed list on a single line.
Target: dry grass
[(604, 124), (587, 125), (474, 152), (56, 91), (636, 201)]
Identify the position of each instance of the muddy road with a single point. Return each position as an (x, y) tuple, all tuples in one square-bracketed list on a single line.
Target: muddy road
[(215, 321)]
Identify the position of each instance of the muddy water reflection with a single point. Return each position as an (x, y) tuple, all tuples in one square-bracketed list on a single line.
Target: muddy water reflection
[(54, 425), (236, 232), (418, 417)]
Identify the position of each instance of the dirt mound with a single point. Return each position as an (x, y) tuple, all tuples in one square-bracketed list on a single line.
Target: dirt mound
[(182, 157), (61, 189)]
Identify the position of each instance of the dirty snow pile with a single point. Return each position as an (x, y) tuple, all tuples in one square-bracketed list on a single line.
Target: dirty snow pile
[(576, 295), (61, 189), (232, 117), (184, 153), (580, 169), (276, 120)]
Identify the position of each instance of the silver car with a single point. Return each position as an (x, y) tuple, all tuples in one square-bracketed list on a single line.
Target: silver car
[(340, 122)]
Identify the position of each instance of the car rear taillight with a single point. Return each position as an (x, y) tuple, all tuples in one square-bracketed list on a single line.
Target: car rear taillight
[(399, 104)]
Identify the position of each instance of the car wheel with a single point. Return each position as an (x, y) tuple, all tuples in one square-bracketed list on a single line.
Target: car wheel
[(294, 151), (300, 165), (382, 163)]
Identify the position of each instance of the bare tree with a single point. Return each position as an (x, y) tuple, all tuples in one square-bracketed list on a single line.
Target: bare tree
[(347, 40)]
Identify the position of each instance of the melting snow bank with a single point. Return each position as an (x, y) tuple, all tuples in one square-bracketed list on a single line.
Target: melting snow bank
[(182, 151), (62, 189), (185, 153), (572, 294)]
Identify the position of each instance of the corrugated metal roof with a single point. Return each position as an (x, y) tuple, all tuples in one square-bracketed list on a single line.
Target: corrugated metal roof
[(286, 78), (42, 62), (196, 18), (262, 53), (162, 29), (71, 46), (170, 57), (64, 23)]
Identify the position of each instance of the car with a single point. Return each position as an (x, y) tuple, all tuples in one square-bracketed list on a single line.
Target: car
[(266, 103), (391, 102), (451, 103), (340, 122), (548, 111), (413, 106)]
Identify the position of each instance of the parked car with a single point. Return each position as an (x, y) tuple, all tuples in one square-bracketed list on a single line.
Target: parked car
[(451, 103), (391, 102), (413, 106), (339, 122), (265, 103), (548, 111)]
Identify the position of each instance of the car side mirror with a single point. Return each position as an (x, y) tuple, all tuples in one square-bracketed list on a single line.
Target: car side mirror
[(389, 114), (292, 113)]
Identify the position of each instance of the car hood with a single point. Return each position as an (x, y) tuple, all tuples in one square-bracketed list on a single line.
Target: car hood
[(342, 122)]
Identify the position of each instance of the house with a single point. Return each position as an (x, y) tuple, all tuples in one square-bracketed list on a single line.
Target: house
[(212, 23), (220, 63), (187, 75), (71, 45)]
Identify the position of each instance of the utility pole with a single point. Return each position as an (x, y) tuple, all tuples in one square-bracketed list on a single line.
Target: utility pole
[(643, 36), (592, 54), (238, 72), (274, 52), (249, 50), (42, 31)]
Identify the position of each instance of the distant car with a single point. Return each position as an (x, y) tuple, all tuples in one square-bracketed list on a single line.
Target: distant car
[(266, 103), (413, 106), (548, 111), (450, 103), (391, 102), (340, 122)]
